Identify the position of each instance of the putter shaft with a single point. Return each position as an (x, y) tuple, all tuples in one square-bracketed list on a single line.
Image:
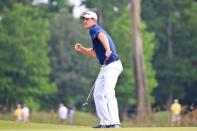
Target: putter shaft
[(86, 103)]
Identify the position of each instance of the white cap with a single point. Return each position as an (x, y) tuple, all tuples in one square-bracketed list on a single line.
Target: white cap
[(89, 14)]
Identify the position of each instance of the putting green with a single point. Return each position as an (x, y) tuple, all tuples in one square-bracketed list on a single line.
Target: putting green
[(20, 126)]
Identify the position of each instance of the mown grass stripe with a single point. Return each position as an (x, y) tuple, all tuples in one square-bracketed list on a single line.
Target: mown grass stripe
[(19, 126)]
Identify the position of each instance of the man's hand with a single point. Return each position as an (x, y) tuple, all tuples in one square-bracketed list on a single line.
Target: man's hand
[(78, 47), (108, 53), (87, 51)]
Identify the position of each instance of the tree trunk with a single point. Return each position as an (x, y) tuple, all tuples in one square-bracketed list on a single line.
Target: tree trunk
[(143, 106), (170, 56), (100, 13), (169, 101), (169, 35)]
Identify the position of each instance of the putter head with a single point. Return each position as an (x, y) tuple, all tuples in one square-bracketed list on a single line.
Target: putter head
[(84, 104)]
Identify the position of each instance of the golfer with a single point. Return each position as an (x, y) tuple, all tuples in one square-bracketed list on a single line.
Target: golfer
[(111, 67)]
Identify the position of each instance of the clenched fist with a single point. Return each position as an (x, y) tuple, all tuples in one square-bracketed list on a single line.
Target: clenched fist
[(78, 47)]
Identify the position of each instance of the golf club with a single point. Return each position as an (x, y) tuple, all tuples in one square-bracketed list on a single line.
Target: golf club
[(86, 102)]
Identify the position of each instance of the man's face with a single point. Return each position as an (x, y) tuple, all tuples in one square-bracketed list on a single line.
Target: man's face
[(88, 22)]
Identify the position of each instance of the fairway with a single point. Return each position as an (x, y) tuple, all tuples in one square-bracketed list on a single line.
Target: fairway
[(19, 126)]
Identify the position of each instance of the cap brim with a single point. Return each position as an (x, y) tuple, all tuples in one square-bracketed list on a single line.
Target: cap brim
[(82, 17), (85, 16)]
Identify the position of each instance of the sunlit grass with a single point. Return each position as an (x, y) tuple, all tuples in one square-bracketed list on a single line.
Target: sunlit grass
[(160, 119), (20, 126)]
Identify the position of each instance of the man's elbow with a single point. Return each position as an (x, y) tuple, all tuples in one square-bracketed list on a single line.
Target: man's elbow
[(92, 55)]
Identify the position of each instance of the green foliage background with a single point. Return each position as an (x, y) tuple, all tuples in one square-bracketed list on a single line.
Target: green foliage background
[(39, 67), (24, 56)]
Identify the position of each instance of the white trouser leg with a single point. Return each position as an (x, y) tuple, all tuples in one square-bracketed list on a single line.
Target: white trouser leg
[(100, 100), (104, 94)]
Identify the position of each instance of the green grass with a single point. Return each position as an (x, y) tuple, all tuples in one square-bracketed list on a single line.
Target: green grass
[(86, 119), (20, 126), (160, 119), (81, 118)]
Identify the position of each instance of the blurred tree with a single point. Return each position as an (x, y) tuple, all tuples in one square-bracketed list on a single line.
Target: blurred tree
[(108, 10), (125, 89), (58, 5), (8, 4), (185, 49), (174, 23), (24, 68), (143, 105)]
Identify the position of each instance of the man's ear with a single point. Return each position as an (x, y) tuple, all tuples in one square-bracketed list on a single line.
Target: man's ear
[(95, 20)]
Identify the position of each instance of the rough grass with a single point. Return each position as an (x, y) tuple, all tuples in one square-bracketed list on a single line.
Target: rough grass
[(81, 118), (160, 119), (20, 126)]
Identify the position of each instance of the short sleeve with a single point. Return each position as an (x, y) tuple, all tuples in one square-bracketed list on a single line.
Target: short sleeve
[(94, 33)]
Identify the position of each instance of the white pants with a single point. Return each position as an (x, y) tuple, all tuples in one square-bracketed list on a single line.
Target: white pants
[(104, 93)]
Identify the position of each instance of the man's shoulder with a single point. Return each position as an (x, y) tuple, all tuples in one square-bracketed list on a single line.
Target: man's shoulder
[(96, 28)]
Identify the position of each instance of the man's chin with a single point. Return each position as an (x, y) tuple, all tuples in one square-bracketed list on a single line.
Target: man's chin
[(86, 27)]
